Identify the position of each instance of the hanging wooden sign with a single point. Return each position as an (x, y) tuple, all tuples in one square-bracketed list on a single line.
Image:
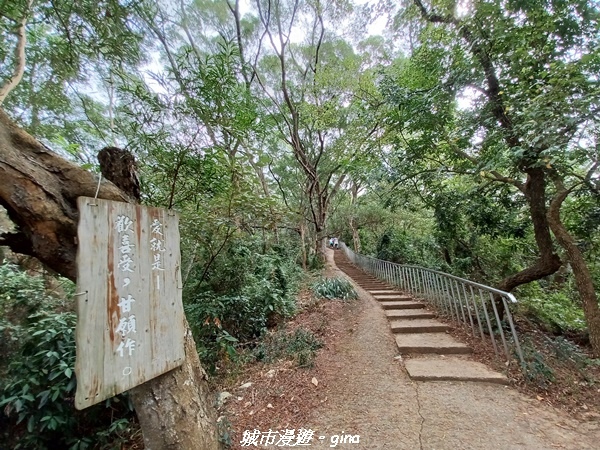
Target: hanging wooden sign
[(130, 321)]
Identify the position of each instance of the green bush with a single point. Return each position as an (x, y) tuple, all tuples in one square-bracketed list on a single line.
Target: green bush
[(536, 367), (37, 388), (244, 293), (301, 346), (334, 288), (37, 395), (554, 309)]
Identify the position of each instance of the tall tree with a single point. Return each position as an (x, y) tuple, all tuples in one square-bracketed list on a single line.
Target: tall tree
[(302, 66), (531, 100)]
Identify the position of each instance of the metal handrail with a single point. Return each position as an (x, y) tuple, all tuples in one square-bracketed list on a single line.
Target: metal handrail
[(456, 297)]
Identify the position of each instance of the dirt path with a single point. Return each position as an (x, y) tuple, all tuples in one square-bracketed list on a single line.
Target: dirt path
[(369, 394)]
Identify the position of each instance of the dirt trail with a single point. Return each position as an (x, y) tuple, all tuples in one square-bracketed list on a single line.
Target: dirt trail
[(370, 395)]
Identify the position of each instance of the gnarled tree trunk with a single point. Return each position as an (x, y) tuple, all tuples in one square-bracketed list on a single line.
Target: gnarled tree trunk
[(548, 262), (581, 272), (39, 190)]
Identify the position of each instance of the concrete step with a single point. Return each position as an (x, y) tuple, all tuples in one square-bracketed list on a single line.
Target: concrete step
[(451, 369), (440, 343), (418, 326), (393, 297), (409, 314), (401, 305), (383, 292)]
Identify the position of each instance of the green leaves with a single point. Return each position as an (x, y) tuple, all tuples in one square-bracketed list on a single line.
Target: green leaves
[(38, 385), (334, 289)]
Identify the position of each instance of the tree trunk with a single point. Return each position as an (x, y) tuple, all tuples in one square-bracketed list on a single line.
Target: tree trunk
[(39, 190), (176, 409), (581, 272), (548, 262), (355, 235), (303, 244), (19, 69), (354, 187)]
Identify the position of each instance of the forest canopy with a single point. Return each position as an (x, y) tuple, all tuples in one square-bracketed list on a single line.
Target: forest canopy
[(459, 136)]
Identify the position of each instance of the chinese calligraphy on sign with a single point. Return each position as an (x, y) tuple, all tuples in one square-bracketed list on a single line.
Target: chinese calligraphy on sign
[(130, 317)]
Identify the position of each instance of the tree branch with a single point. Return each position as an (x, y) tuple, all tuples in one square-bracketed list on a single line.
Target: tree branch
[(17, 75)]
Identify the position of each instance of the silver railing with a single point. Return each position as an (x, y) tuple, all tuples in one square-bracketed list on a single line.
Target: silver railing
[(464, 301)]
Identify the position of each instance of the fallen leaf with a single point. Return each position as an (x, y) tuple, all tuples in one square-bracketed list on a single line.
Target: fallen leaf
[(539, 398), (269, 406), (315, 381)]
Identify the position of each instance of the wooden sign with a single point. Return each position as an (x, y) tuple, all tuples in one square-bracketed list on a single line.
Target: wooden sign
[(130, 322)]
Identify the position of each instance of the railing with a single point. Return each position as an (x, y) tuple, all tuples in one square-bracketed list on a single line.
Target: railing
[(482, 307)]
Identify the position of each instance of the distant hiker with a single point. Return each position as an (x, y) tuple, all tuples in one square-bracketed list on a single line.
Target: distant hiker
[(336, 244), (331, 242)]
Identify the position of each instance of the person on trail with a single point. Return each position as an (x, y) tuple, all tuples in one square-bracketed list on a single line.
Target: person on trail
[(331, 242), (336, 243)]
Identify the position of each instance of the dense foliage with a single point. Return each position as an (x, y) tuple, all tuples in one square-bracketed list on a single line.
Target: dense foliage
[(38, 380), (461, 136)]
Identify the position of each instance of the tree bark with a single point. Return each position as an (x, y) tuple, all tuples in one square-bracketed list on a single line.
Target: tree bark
[(581, 272), (176, 410), (39, 190), (354, 187), (303, 244), (548, 262)]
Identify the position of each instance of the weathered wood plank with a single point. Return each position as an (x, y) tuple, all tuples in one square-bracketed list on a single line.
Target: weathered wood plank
[(130, 325)]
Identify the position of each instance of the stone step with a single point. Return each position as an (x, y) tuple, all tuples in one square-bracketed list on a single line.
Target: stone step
[(401, 305), (418, 326), (440, 343), (409, 314), (394, 297), (383, 292), (451, 369)]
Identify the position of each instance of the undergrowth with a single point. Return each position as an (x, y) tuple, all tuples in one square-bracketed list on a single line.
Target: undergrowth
[(38, 385), (301, 346), (334, 288)]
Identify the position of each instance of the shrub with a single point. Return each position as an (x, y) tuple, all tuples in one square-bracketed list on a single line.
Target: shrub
[(536, 367), (554, 309), (38, 386), (37, 396), (334, 288), (301, 346), (246, 293)]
